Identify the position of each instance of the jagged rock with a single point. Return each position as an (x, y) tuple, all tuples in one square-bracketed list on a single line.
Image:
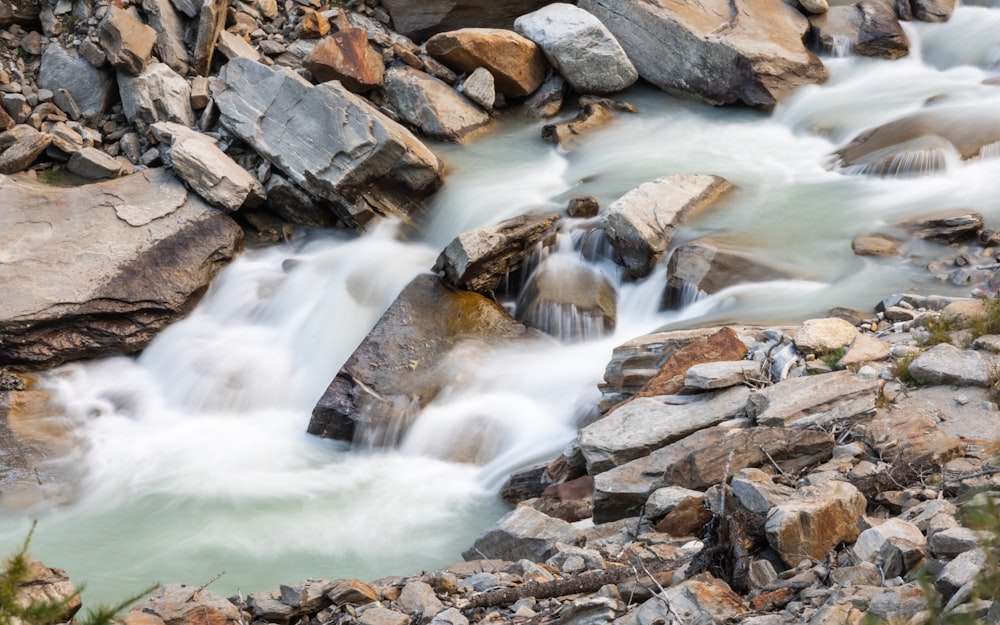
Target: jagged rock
[(24, 152), (594, 113), (169, 27), (757, 492), (820, 518), (951, 542), (431, 106), (127, 42), (93, 164), (44, 584), (347, 56), (404, 360), (179, 604), (870, 27), (418, 598), (875, 245), (568, 299), (869, 543), (358, 159), (757, 59), (89, 87), (813, 400), (722, 345), (313, 25), (821, 336), (700, 461), (899, 556), (207, 170), (947, 364), (480, 87), (294, 205), (157, 95), (547, 100), (905, 601), (307, 596), (643, 425), (522, 533), (480, 259), (864, 349), (16, 105), (87, 303), (267, 606), (907, 435), (965, 568), (579, 47), (517, 63), (420, 20), (946, 227), (351, 591), (707, 376), (641, 224), (211, 21), (232, 46)]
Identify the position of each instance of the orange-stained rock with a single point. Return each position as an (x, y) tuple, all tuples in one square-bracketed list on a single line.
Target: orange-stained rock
[(183, 604), (516, 63), (313, 25), (722, 346)]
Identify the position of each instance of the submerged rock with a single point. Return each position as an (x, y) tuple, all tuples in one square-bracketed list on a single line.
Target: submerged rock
[(568, 299)]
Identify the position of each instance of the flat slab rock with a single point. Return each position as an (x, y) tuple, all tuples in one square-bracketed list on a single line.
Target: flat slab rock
[(100, 269), (947, 364), (809, 400)]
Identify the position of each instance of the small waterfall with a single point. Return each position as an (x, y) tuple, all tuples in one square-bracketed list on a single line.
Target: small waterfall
[(917, 157), (679, 294), (839, 46)]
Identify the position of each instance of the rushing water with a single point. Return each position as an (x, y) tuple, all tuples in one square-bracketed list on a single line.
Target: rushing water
[(194, 457)]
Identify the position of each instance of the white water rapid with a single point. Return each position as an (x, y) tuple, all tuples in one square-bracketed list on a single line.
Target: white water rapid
[(194, 457)]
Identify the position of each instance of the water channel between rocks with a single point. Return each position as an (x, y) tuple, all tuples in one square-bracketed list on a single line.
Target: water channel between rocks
[(195, 458)]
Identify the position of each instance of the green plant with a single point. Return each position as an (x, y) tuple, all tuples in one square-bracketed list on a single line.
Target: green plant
[(939, 331), (901, 370), (51, 177), (989, 323), (831, 358)]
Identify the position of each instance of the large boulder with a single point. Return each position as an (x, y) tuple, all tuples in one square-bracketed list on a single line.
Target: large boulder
[(947, 364), (332, 143), (420, 20), (819, 518), (640, 225), (159, 94), (90, 88), (517, 64), (870, 28), (579, 47), (404, 361), (703, 51), (432, 106), (100, 269)]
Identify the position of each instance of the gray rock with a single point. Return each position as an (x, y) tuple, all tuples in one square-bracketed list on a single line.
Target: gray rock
[(89, 87), (813, 400), (547, 100), (641, 224), (480, 259), (594, 610), (757, 59), (431, 105), (960, 571), (67, 298), (951, 542), (232, 46), (267, 606), (900, 602), (946, 364), (522, 533), (643, 425), (288, 201), (922, 513), (665, 500), (126, 40), (820, 518), (757, 492), (481, 88), (169, 27), (927, 10), (366, 164), (93, 164), (579, 47), (418, 598), (16, 105), (899, 556), (568, 299), (307, 596), (187, 7), (870, 27), (715, 375), (870, 542), (382, 616), (157, 95), (420, 20), (24, 151), (947, 226), (65, 101), (451, 616)]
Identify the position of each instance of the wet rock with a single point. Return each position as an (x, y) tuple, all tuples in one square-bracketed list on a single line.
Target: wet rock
[(926, 10), (89, 87), (517, 63), (169, 27), (127, 42), (813, 400), (821, 336), (157, 95), (179, 604), (579, 47), (547, 100), (347, 56), (640, 225), (759, 60), (88, 303), (93, 164), (568, 299), (643, 425), (522, 533), (431, 106), (480, 259), (868, 28), (947, 364), (207, 170), (947, 227), (420, 20), (875, 245), (700, 461), (594, 113), (404, 360), (480, 87), (870, 543), (583, 207), (389, 172), (820, 518), (211, 22), (24, 152)]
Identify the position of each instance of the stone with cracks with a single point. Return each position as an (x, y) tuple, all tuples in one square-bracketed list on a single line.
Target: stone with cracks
[(965, 568), (700, 460), (482, 258), (158, 94), (722, 345), (947, 364), (524, 533), (99, 269), (480, 87), (871, 28), (347, 56), (42, 584), (432, 106), (703, 51), (90, 88), (641, 224), (24, 151), (126, 41), (420, 20), (707, 376), (579, 47), (329, 141), (864, 349), (813, 400), (820, 518), (517, 63)]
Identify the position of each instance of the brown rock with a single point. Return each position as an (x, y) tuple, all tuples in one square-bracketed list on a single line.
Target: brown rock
[(687, 519), (313, 25), (817, 521), (6, 121), (721, 346), (127, 42), (44, 584), (875, 245), (595, 112), (908, 437), (351, 591), (870, 26), (23, 153), (182, 604), (517, 63), (570, 501), (211, 21), (348, 57)]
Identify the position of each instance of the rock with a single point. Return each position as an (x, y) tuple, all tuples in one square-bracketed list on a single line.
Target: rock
[(431, 106), (294, 205), (267, 606), (684, 512), (594, 113), (517, 64), (965, 568), (905, 601), (233, 46), (951, 542), (869, 26), (42, 584), (722, 345), (640, 225), (89, 87), (570, 501), (644, 425), (179, 604), (127, 42), (16, 105), (347, 56), (820, 518), (418, 598), (964, 312), (864, 349), (6, 121), (207, 170), (313, 25), (700, 461), (946, 364), (169, 27), (157, 95), (756, 491), (87, 303), (383, 616), (928, 10), (579, 47), (756, 60), (594, 610), (480, 87), (451, 616), (583, 207), (522, 533), (946, 227), (899, 556), (722, 374), (211, 22), (93, 164), (908, 436), (366, 164), (813, 400), (569, 299), (404, 360), (870, 542), (815, 7), (822, 336), (875, 245), (712, 600), (24, 152), (480, 259), (18, 12), (351, 591), (547, 101), (307, 596), (420, 20)]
